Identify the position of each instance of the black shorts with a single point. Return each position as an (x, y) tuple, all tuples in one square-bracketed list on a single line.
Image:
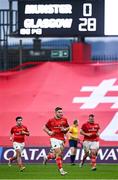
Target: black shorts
[(73, 143)]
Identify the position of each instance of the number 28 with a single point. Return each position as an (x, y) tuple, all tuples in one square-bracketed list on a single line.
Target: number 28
[(87, 24)]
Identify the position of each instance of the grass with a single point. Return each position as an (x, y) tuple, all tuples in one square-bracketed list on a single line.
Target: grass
[(49, 171)]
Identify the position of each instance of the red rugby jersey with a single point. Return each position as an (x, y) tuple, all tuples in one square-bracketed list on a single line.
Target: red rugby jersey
[(55, 125), (16, 131), (91, 128)]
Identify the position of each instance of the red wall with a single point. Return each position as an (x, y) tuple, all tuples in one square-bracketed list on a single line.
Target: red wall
[(81, 52)]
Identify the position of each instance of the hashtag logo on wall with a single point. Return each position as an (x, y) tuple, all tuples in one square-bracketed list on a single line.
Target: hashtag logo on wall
[(98, 95)]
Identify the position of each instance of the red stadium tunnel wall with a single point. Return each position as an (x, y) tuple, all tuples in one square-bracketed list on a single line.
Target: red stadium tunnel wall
[(81, 52), (81, 89)]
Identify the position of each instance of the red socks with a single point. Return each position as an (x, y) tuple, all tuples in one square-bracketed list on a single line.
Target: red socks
[(59, 162), (93, 160), (13, 158), (51, 156)]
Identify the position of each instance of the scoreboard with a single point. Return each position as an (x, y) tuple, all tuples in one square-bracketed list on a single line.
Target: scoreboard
[(67, 18)]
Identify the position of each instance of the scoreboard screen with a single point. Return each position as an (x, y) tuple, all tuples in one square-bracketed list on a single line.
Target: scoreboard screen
[(67, 18)]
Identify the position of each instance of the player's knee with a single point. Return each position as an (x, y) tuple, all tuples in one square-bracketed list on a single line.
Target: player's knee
[(58, 154), (87, 152), (72, 149), (94, 153), (18, 153)]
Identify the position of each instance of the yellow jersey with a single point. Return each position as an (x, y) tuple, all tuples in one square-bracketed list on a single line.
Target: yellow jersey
[(73, 132)]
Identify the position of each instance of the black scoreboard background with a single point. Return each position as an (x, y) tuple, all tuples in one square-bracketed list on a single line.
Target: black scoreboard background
[(60, 18)]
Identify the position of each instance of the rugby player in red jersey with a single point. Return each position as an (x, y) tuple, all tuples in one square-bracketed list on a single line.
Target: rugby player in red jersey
[(56, 128), (17, 136), (90, 131)]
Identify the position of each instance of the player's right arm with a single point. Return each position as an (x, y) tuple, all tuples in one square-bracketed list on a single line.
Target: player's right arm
[(11, 135), (50, 133), (84, 133)]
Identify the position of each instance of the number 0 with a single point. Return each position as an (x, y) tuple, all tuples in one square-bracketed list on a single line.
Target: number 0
[(87, 6)]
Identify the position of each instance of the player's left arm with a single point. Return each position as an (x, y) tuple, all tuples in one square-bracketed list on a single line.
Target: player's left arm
[(98, 133), (25, 132), (65, 128)]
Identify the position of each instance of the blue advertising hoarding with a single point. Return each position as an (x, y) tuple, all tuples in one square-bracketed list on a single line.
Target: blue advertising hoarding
[(35, 155)]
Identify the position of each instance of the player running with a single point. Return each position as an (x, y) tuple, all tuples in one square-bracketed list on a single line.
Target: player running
[(17, 136), (56, 128), (91, 141)]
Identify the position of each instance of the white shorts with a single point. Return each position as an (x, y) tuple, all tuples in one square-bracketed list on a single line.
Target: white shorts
[(18, 146), (89, 145), (56, 143)]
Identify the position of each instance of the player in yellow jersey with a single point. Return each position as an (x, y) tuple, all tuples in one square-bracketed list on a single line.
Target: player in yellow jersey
[(73, 140)]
